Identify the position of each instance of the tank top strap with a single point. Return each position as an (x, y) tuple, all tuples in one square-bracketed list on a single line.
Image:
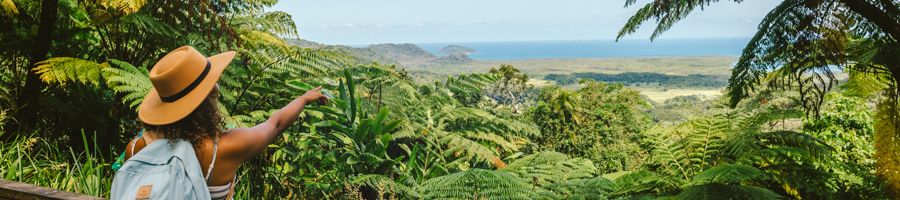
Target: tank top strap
[(134, 143), (140, 136), (213, 163)]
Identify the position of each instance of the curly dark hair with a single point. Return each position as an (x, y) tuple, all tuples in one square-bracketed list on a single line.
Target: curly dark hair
[(204, 122)]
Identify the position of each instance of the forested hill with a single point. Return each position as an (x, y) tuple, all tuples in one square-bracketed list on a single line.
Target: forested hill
[(403, 54), (456, 50), (637, 78)]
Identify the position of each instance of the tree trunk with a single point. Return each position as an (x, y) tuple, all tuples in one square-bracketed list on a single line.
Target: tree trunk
[(26, 116)]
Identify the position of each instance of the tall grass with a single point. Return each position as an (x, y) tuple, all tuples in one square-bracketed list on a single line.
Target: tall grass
[(50, 162)]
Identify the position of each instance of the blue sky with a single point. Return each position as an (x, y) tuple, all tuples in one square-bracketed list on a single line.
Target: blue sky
[(431, 21)]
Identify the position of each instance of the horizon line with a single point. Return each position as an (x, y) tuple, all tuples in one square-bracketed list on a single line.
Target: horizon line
[(515, 41)]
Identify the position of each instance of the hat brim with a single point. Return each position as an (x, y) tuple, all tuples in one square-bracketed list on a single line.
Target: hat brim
[(154, 111)]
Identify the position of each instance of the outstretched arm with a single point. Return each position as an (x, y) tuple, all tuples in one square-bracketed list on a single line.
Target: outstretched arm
[(254, 140)]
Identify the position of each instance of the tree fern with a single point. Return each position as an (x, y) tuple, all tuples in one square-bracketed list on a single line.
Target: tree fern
[(476, 184), (556, 176), (822, 27), (545, 168), (467, 136), (699, 147)]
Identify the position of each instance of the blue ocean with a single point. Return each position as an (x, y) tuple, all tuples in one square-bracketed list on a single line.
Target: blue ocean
[(598, 48)]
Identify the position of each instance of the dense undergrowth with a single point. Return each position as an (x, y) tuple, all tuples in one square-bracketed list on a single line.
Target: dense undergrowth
[(47, 162), (384, 136)]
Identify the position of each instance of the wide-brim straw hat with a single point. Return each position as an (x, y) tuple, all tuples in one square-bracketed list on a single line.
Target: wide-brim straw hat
[(181, 81)]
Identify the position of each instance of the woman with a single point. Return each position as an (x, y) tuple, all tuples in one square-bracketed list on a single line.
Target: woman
[(183, 105)]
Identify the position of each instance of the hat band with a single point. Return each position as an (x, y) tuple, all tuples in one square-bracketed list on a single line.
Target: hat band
[(190, 87)]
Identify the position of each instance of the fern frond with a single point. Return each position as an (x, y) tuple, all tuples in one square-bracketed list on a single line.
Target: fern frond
[(9, 8), (60, 70), (861, 84), (546, 168), (480, 120), (476, 184), (459, 146), (722, 191), (664, 13), (274, 22), (790, 145), (493, 139), (592, 188), (728, 174), (670, 154), (132, 82), (700, 145), (643, 182), (124, 6), (386, 185), (260, 38), (540, 158), (148, 24), (706, 140)]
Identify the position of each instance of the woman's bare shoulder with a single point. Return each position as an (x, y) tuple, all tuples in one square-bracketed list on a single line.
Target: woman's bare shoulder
[(238, 143), (138, 145)]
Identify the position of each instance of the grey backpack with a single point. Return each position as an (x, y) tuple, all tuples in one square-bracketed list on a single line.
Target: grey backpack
[(161, 170)]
